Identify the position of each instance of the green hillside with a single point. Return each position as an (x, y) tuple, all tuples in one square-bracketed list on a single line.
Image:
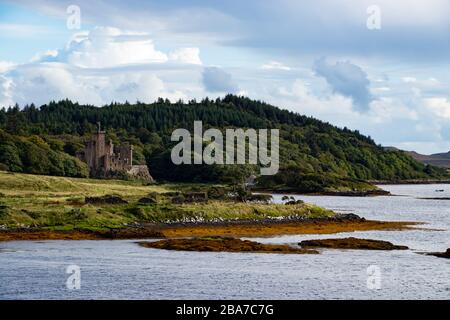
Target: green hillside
[(314, 155)]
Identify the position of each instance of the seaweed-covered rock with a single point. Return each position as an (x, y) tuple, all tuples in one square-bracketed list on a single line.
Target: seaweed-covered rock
[(347, 217), (445, 254), (223, 244), (351, 243), (131, 233)]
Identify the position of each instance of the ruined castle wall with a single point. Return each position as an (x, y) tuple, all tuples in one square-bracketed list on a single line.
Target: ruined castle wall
[(99, 150), (126, 156), (89, 154)]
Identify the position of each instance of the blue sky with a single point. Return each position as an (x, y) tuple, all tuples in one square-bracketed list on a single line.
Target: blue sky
[(317, 58)]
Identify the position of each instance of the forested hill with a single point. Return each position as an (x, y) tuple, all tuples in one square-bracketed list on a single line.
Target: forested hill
[(314, 154)]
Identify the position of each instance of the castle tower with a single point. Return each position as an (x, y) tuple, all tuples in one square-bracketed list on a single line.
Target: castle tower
[(103, 158)]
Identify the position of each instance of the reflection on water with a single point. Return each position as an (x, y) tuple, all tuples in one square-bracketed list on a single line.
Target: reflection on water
[(123, 270)]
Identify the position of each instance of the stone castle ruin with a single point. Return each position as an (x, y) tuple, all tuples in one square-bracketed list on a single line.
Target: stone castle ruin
[(105, 159)]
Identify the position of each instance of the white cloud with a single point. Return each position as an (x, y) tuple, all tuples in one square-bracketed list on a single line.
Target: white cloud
[(439, 106), (409, 79), (6, 65), (391, 110), (301, 99), (381, 89), (100, 66), (109, 47), (48, 81), (275, 65), (430, 83), (41, 83), (49, 54), (5, 92), (140, 86), (186, 55)]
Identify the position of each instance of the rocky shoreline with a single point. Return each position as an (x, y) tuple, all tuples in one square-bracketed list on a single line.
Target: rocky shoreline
[(399, 182), (235, 228), (349, 193), (368, 193)]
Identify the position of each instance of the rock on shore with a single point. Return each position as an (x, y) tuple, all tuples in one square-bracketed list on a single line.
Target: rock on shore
[(351, 243), (445, 254)]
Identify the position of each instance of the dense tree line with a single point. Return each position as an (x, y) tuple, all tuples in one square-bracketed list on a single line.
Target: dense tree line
[(311, 150), (32, 154)]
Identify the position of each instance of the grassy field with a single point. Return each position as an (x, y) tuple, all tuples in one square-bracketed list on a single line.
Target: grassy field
[(59, 203)]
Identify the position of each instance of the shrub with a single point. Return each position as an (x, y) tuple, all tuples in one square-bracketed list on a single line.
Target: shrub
[(3, 211), (139, 213)]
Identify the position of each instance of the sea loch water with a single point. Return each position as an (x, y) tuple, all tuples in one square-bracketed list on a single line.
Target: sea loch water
[(123, 270)]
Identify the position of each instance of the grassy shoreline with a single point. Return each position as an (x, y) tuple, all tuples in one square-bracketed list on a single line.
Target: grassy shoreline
[(31, 201)]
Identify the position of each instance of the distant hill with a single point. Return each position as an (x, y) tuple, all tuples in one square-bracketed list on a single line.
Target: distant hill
[(438, 159), (314, 155)]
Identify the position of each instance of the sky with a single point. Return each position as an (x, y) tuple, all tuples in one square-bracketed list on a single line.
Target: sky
[(382, 69)]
